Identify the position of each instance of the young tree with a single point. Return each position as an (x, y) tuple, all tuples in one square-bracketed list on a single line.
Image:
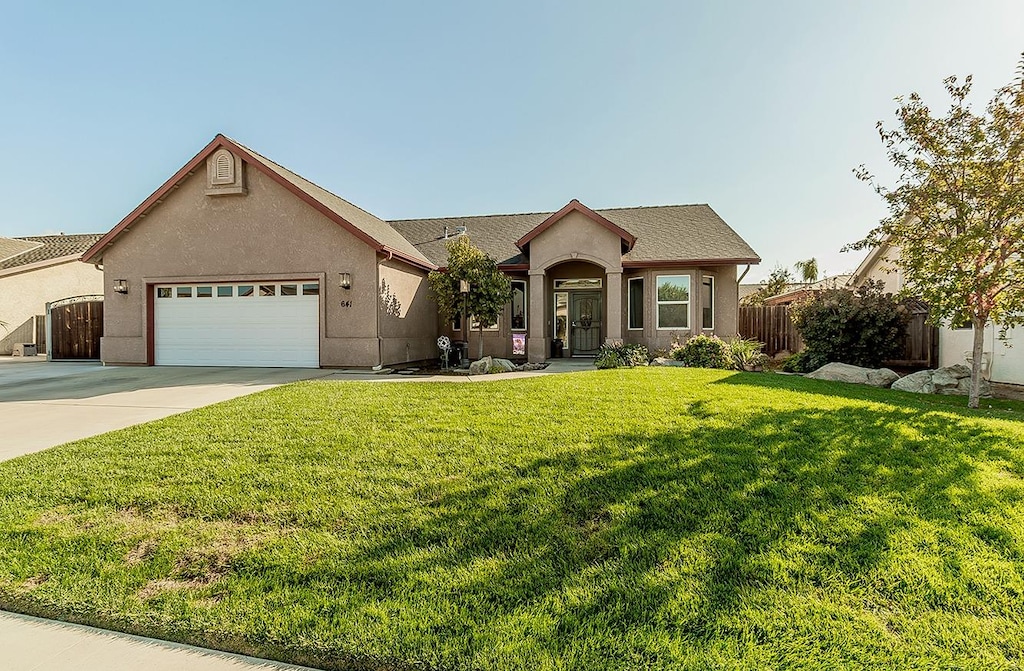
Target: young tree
[(777, 281), (808, 269), (490, 290), (956, 213)]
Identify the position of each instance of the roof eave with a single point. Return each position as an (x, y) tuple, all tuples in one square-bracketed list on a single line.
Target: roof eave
[(664, 263)]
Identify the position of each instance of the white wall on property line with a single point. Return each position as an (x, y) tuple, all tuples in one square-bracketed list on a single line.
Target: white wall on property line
[(1006, 355)]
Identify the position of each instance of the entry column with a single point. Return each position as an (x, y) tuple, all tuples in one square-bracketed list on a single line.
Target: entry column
[(613, 308), (537, 342)]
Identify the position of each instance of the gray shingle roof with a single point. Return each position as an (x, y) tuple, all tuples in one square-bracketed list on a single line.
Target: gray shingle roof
[(47, 247), (376, 228), (663, 233)]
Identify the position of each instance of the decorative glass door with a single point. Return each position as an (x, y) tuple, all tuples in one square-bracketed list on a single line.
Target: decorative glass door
[(584, 322)]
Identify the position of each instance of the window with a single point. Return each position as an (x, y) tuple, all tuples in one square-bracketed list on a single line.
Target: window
[(225, 292), (636, 303), (268, 290), (518, 305), (244, 290), (673, 301), (163, 292), (310, 289), (289, 290), (474, 324), (707, 302), (562, 315), (204, 292), (184, 292), (578, 284), (457, 322)]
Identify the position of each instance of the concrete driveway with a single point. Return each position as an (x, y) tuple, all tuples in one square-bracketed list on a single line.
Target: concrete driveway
[(43, 404)]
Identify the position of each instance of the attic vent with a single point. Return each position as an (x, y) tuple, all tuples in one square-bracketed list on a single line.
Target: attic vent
[(223, 168)]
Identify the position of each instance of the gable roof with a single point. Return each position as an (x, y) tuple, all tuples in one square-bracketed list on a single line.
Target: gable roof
[(683, 234), (365, 226), (43, 248), (576, 206)]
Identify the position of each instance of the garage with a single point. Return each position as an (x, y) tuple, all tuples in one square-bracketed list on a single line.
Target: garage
[(260, 324)]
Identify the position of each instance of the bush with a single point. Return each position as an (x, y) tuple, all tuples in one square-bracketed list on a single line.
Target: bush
[(621, 356), (797, 363), (704, 351), (747, 354), (863, 328)]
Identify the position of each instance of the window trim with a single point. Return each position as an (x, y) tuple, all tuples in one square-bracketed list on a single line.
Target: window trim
[(526, 308), (687, 303), (704, 279), (629, 303)]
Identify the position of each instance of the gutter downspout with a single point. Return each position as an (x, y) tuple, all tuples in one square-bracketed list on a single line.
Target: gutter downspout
[(740, 278)]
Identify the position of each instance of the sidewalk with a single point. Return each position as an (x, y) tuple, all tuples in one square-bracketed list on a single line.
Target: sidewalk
[(32, 644)]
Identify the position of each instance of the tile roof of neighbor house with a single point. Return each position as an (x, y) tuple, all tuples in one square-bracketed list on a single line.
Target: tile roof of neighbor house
[(12, 247), (663, 233), (50, 247)]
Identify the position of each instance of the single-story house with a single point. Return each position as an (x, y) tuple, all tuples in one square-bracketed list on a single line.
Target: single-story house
[(798, 291), (1002, 362), (236, 260), (34, 271)]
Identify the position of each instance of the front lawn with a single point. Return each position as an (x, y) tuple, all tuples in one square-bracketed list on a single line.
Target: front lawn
[(648, 518)]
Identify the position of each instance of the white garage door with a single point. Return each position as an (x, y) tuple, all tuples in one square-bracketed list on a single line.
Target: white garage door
[(273, 324)]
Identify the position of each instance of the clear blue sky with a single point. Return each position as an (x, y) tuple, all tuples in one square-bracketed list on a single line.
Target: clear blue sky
[(426, 109)]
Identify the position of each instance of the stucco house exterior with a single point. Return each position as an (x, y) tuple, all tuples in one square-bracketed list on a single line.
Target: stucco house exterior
[(236, 260), (1003, 361), (34, 271)]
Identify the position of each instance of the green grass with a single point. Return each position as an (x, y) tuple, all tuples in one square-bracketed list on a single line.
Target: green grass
[(649, 518)]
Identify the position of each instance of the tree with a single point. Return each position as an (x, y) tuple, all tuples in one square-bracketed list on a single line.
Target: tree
[(778, 280), (956, 213), (808, 269), (490, 290)]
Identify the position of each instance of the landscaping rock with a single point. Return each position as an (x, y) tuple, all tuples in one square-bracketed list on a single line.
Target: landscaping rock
[(481, 366), (531, 366), (951, 380), (844, 372), (662, 361), (505, 365)]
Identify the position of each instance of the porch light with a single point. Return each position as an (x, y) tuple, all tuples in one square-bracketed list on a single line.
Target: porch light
[(345, 280), (121, 286), (463, 286)]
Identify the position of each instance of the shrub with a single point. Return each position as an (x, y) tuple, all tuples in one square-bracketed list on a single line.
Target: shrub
[(747, 354), (797, 363), (621, 356), (863, 327), (704, 351)]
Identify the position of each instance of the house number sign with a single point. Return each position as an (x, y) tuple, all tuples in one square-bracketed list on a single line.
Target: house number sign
[(346, 304)]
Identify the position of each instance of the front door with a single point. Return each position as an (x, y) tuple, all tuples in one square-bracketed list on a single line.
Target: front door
[(584, 322)]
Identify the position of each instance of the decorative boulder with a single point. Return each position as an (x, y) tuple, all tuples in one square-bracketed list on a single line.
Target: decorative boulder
[(505, 365), (844, 372), (662, 361), (951, 380), (481, 366)]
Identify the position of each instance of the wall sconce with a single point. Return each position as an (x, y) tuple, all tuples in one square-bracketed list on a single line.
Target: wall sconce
[(345, 280), (463, 286), (121, 286)]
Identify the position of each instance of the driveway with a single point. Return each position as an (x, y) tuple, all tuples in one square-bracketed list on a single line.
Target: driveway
[(43, 404)]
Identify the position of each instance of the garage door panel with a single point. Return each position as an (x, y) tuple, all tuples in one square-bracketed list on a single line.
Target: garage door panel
[(268, 331)]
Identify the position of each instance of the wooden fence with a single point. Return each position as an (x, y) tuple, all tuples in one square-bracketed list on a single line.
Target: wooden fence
[(771, 325)]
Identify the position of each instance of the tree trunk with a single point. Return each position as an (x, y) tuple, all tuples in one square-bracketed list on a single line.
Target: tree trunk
[(976, 357), (480, 338)]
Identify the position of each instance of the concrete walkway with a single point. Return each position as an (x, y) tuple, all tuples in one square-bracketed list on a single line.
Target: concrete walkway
[(31, 644)]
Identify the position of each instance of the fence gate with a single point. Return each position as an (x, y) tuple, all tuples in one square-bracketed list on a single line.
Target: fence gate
[(75, 327)]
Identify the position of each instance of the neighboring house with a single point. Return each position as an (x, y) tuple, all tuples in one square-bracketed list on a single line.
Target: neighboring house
[(1003, 362), (37, 270), (801, 290), (236, 260)]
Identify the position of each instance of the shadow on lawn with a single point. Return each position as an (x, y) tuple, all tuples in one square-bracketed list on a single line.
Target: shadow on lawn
[(669, 532)]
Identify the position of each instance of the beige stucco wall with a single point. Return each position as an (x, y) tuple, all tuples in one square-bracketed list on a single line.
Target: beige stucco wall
[(268, 233), (1005, 356), (884, 270), (726, 305), (576, 236), (25, 294), (407, 314)]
